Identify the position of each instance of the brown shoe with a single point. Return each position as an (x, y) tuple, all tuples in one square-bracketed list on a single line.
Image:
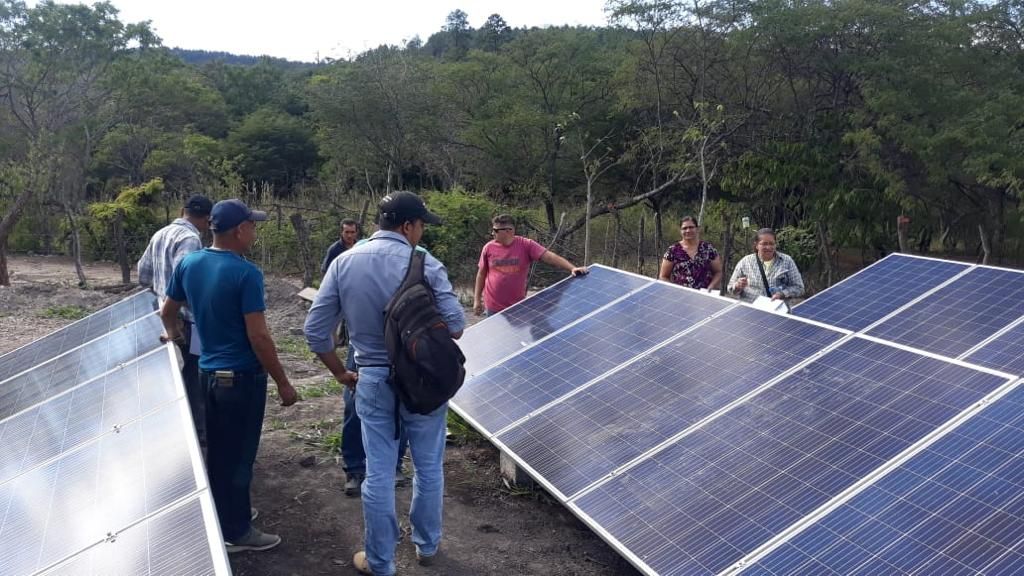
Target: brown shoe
[(427, 560), (361, 564)]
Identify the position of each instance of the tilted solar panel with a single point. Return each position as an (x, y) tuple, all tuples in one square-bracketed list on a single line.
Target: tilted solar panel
[(957, 507), (723, 490), (616, 419), (1005, 352), (575, 355), (878, 290), (960, 315), (543, 313), (81, 364), (78, 333)]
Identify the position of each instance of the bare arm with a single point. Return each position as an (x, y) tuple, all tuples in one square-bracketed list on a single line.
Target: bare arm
[(337, 368), (716, 274), (478, 291), (263, 345), (169, 317), (665, 271), (553, 259)]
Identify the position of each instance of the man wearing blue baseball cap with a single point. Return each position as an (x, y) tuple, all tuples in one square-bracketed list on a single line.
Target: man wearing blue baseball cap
[(225, 293)]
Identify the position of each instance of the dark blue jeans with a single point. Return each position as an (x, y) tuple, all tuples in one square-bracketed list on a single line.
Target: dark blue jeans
[(353, 455), (194, 389), (234, 419)]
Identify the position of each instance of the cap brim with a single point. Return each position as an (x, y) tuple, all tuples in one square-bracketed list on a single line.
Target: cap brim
[(258, 216), (431, 218)]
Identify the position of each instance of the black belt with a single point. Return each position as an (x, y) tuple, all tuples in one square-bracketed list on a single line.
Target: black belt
[(373, 365), (259, 372)]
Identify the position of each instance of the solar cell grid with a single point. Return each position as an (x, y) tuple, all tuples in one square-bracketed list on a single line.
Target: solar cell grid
[(582, 438), (171, 543), (79, 365), (959, 315), (78, 333), (1005, 352), (83, 413), (956, 507), (719, 493), (542, 314), (875, 292), (63, 507), (511, 390)]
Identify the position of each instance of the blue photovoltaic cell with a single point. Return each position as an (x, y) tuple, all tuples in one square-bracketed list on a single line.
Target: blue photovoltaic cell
[(569, 359), (877, 291), (960, 315), (955, 508), (583, 438), (86, 329), (71, 503), (83, 413), (1005, 353), (541, 314), (79, 365), (717, 494)]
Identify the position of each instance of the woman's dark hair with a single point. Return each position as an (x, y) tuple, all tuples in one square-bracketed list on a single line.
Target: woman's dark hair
[(690, 218), (762, 232)]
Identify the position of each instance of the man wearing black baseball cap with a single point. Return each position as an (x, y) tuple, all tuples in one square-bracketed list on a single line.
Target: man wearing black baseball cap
[(166, 248), (357, 288), (225, 293)]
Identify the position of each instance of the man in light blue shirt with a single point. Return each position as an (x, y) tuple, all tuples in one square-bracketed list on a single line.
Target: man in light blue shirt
[(357, 288)]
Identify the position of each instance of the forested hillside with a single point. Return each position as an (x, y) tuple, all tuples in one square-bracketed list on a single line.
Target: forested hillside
[(829, 118)]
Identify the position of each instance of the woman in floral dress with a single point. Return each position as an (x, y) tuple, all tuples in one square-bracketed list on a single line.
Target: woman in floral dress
[(691, 262)]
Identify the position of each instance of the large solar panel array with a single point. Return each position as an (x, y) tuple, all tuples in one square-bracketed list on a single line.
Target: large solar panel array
[(100, 470), (878, 430)]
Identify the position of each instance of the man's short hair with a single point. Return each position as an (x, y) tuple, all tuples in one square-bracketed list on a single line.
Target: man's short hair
[(503, 220), (763, 232), (349, 222)]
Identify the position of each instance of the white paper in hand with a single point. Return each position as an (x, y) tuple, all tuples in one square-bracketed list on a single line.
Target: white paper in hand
[(766, 303)]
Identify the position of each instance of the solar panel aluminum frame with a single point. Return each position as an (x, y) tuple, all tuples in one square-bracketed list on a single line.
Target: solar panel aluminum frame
[(991, 338), (491, 436), (868, 480), (570, 324), (72, 349)]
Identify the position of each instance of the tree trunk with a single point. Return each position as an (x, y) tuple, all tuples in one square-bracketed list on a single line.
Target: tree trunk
[(76, 244), (362, 214), (7, 226), (826, 249), (586, 226), (640, 248), (121, 245), (902, 227), (986, 248), (726, 257), (615, 240), (302, 233)]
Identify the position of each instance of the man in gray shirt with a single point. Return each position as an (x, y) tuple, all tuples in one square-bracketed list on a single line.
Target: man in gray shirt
[(357, 288)]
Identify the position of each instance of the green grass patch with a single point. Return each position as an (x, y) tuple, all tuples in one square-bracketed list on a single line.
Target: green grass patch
[(324, 435), (460, 430), (324, 387), (64, 312), (295, 346)]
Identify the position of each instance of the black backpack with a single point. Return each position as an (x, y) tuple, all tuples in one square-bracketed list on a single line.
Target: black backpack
[(426, 363)]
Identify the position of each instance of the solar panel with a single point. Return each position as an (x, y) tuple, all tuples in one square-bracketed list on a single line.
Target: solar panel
[(80, 364), (74, 501), (543, 313), (171, 543), (1005, 352), (959, 315), (723, 490), (957, 507), (80, 414), (878, 290), (626, 413), (78, 333), (570, 358)]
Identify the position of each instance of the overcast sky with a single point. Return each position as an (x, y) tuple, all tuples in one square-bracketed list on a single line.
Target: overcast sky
[(300, 29)]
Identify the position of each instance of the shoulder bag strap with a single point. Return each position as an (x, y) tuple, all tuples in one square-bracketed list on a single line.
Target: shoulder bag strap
[(764, 277)]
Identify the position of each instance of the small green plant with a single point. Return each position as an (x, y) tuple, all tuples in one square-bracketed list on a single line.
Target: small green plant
[(460, 430), (65, 312), (295, 346), (323, 435), (321, 388)]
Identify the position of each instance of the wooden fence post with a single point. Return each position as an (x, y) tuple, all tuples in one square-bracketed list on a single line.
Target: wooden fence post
[(302, 234), (640, 248)]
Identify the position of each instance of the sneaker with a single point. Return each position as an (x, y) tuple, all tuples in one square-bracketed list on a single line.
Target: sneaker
[(353, 484), (361, 564), (253, 514), (253, 540)]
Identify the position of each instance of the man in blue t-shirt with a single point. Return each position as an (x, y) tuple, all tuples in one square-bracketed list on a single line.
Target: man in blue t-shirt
[(225, 293)]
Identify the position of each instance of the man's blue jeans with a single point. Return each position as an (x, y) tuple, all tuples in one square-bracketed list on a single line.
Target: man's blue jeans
[(353, 457), (234, 420), (376, 404)]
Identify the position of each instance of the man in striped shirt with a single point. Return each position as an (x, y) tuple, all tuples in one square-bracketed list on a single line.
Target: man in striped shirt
[(166, 248)]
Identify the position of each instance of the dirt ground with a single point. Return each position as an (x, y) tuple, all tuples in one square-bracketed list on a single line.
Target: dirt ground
[(490, 527)]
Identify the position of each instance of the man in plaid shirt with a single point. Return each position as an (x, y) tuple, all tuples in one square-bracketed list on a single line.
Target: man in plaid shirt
[(166, 248), (784, 280)]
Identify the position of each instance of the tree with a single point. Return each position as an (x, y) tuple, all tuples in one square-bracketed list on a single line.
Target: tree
[(493, 34), (273, 147)]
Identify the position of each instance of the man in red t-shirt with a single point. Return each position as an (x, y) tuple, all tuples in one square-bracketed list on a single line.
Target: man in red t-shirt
[(505, 264)]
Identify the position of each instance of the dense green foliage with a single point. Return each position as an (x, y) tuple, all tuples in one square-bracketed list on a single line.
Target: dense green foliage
[(828, 118)]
